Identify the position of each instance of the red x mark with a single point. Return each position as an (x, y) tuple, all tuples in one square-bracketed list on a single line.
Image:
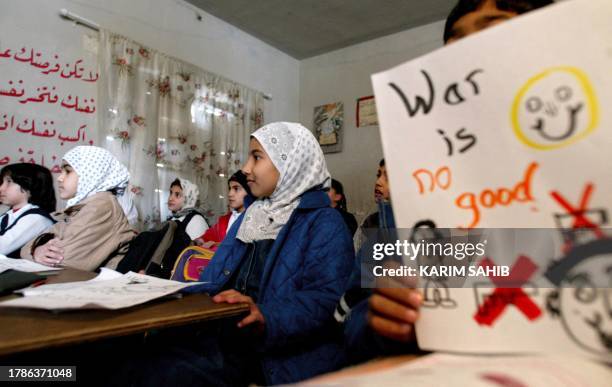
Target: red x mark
[(496, 303), (580, 221)]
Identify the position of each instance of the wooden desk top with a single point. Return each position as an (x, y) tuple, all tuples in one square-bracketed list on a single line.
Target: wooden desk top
[(27, 329)]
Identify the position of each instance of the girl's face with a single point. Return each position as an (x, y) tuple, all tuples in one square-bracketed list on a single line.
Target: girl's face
[(235, 196), (262, 175), (176, 200), (334, 197), (68, 182), (11, 193), (381, 189)]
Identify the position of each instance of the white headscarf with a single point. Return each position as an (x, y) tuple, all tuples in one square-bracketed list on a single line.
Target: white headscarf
[(98, 171), (126, 201), (300, 162), (191, 194)]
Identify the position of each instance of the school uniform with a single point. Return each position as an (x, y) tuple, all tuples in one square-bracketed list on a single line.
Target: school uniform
[(196, 225), (218, 231), (18, 227)]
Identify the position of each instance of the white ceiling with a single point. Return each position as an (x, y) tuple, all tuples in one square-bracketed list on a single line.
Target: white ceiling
[(305, 28)]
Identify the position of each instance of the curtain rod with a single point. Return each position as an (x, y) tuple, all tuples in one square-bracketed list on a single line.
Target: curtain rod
[(88, 23), (78, 19)]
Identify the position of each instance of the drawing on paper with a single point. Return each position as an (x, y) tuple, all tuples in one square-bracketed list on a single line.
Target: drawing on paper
[(581, 302), (555, 108)]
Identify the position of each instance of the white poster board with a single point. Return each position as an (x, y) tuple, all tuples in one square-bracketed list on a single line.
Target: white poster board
[(508, 128)]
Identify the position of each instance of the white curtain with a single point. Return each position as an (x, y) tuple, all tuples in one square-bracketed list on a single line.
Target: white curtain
[(165, 118)]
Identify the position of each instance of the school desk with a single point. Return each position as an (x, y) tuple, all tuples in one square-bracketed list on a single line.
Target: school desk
[(28, 329)]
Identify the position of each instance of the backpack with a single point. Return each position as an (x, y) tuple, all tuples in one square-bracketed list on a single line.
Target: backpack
[(155, 252), (191, 262)]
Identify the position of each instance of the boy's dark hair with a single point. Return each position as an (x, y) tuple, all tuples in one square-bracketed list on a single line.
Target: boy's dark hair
[(35, 179), (240, 178), (464, 7), (176, 183), (337, 186), (382, 163)]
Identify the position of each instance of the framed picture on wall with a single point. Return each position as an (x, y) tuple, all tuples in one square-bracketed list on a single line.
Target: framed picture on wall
[(366, 112), (328, 123)]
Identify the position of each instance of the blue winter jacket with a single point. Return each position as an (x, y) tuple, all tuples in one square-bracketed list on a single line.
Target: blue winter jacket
[(303, 278)]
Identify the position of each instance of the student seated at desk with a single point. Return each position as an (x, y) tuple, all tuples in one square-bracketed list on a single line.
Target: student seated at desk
[(182, 202), (27, 189), (238, 189), (376, 322), (287, 257), (367, 333), (382, 197), (93, 226)]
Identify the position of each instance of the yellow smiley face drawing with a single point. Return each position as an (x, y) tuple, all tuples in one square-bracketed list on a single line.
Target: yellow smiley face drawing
[(555, 108)]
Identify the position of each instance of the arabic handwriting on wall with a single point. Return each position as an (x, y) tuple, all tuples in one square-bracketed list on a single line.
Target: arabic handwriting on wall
[(29, 158), (44, 129), (69, 70), (46, 94), (43, 105)]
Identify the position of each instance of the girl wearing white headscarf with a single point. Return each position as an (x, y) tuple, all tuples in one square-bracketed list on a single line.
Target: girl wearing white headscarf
[(182, 202), (288, 256), (92, 229), (301, 166)]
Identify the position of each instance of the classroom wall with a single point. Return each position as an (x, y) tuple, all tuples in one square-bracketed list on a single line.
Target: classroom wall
[(344, 75), (170, 26), (297, 87)]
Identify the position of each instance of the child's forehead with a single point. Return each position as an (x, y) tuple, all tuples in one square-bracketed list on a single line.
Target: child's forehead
[(255, 145)]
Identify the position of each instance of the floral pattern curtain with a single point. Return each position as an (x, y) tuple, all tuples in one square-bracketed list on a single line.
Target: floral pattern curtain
[(165, 118)]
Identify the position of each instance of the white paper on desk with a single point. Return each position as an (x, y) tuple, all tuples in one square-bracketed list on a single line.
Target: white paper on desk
[(523, 104), (105, 275), (439, 370), (19, 264), (128, 290)]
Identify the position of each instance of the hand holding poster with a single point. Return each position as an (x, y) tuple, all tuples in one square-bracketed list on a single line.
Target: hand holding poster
[(509, 129)]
